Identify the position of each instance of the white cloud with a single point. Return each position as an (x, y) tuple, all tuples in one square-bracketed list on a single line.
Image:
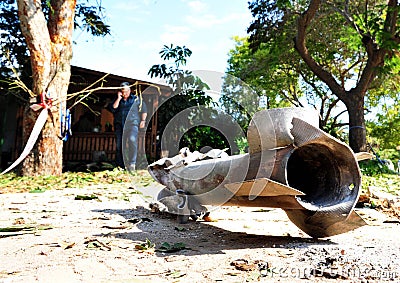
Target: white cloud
[(211, 20), (175, 34), (197, 6), (128, 42), (150, 45), (125, 7), (204, 21), (125, 11)]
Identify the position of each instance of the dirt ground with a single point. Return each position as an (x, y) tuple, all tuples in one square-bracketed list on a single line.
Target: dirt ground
[(59, 236)]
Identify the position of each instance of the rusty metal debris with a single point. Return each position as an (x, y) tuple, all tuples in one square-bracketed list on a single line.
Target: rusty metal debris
[(291, 164)]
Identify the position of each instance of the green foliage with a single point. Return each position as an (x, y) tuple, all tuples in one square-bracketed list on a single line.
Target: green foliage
[(389, 183), (172, 72), (182, 81), (379, 165), (13, 48), (171, 248), (335, 129), (242, 145), (14, 52), (374, 168), (10, 182), (343, 41), (279, 79), (146, 246), (391, 154), (91, 20), (178, 53), (188, 94), (263, 73), (385, 127), (269, 18), (202, 136), (85, 197)]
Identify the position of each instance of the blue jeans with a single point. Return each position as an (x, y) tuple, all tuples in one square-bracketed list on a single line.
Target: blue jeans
[(127, 143)]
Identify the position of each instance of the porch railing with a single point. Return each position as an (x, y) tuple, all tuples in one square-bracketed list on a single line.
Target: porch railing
[(88, 147), (83, 146)]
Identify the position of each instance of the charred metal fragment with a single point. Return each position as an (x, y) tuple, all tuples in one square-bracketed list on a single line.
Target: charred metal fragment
[(291, 164)]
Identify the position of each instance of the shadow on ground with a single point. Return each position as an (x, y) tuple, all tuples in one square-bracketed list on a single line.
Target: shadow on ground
[(200, 237)]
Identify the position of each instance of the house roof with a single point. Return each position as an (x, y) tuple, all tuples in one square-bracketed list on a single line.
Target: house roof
[(82, 78)]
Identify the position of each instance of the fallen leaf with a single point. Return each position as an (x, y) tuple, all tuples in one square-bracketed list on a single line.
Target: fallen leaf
[(44, 227), (180, 229), (134, 220), (102, 218), (38, 190), (262, 210), (146, 246), (232, 274), (175, 274), (392, 221), (243, 265), (207, 218), (21, 230), (285, 253), (7, 234), (96, 244), (67, 246), (82, 197), (115, 227), (171, 248), (25, 228), (12, 229)]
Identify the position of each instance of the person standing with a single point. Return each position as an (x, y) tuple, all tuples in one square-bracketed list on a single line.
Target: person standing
[(130, 114)]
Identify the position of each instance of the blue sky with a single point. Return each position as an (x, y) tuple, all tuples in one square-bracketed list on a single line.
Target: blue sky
[(140, 28)]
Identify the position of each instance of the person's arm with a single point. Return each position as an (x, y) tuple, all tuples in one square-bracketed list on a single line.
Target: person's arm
[(143, 121), (116, 102), (143, 115)]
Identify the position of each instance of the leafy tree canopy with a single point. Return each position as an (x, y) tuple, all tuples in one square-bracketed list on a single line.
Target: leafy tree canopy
[(15, 55), (339, 51), (189, 96)]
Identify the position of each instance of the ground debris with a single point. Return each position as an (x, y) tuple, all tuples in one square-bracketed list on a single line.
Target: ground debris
[(96, 244), (120, 227), (171, 248), (246, 265), (86, 197), (366, 254), (22, 229)]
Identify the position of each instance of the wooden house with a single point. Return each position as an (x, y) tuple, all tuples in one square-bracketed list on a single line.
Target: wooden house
[(96, 140)]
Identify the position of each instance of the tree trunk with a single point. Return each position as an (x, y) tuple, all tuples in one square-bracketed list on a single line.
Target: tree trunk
[(357, 130), (50, 46)]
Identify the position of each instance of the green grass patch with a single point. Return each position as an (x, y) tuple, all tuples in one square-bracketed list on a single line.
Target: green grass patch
[(389, 183), (11, 183)]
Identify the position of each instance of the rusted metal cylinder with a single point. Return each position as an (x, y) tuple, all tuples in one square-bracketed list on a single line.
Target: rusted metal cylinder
[(291, 164), (270, 144)]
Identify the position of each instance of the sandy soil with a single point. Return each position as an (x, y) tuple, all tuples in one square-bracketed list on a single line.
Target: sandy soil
[(104, 240)]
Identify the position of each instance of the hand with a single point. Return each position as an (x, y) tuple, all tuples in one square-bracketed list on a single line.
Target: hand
[(142, 124), (119, 95)]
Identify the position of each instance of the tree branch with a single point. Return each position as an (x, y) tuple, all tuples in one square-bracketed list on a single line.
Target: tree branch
[(376, 54), (330, 108), (300, 44), (346, 15), (391, 20)]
